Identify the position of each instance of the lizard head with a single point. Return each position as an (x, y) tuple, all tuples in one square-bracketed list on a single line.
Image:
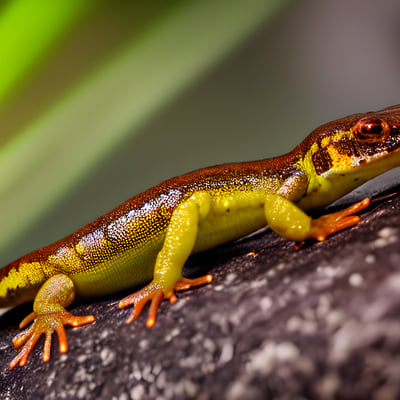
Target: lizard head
[(356, 141), (372, 142), (341, 155)]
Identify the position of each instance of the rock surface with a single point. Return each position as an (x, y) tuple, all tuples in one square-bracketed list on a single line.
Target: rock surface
[(322, 322)]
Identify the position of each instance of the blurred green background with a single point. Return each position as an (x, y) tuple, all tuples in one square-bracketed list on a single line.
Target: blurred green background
[(102, 99)]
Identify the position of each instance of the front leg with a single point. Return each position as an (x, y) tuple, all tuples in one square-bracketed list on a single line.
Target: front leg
[(289, 221), (48, 315), (178, 245)]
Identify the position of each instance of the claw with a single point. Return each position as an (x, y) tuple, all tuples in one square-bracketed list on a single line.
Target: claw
[(154, 293), (45, 324), (335, 222)]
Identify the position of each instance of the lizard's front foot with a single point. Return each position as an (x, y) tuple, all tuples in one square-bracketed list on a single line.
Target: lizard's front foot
[(155, 292), (335, 222), (45, 324)]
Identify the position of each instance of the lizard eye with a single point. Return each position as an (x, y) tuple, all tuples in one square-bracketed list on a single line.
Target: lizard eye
[(371, 130)]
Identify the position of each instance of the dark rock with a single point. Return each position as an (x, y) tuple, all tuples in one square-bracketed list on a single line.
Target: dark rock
[(322, 322)]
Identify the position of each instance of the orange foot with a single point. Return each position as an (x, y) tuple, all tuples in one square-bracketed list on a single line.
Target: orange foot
[(154, 292), (335, 222), (45, 324)]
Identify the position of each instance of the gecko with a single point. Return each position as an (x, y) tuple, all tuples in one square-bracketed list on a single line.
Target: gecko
[(147, 239)]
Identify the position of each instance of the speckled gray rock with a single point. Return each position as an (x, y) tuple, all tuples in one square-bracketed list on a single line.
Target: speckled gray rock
[(322, 322)]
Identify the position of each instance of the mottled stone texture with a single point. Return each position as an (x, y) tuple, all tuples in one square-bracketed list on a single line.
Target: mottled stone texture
[(322, 322)]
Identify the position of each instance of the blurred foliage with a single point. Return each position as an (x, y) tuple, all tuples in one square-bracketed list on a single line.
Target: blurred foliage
[(29, 29), (78, 76)]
